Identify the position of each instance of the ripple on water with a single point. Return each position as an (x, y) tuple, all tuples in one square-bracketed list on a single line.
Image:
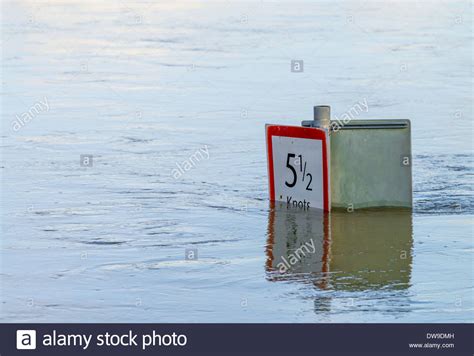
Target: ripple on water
[(434, 192)]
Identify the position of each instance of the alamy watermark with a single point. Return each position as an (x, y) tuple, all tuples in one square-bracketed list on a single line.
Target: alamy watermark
[(25, 117), (354, 111), (297, 65), (295, 257), (191, 162), (86, 160), (191, 254)]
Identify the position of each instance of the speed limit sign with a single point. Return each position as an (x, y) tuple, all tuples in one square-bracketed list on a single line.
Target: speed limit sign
[(298, 166)]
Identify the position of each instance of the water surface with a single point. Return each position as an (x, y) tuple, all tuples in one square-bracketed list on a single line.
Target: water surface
[(143, 87)]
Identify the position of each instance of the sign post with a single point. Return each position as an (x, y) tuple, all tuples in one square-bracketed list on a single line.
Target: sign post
[(298, 166)]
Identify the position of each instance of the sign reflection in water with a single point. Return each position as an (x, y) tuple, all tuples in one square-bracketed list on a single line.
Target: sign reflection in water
[(361, 250)]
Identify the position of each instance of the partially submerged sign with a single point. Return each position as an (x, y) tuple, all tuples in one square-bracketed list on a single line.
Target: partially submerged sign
[(298, 166), (358, 164)]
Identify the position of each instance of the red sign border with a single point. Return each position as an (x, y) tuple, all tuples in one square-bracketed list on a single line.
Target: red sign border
[(297, 132)]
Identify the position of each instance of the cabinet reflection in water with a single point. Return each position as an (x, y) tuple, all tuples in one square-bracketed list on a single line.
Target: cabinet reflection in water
[(349, 251)]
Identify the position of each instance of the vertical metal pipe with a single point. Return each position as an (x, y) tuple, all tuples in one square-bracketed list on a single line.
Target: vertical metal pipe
[(322, 116)]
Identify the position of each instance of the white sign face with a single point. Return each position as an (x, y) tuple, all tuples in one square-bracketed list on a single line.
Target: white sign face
[(298, 166)]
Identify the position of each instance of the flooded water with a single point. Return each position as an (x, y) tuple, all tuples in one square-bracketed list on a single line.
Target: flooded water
[(166, 103)]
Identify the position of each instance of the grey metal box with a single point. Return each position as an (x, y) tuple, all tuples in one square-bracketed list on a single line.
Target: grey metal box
[(371, 164)]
